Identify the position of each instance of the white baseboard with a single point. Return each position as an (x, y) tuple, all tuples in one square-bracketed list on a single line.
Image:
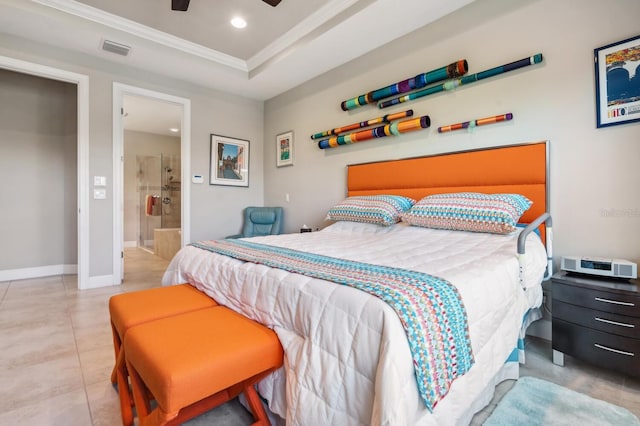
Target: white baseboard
[(53, 270), (130, 244), (100, 281), (37, 272)]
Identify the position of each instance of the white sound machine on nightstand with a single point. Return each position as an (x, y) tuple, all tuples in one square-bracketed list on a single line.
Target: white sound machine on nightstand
[(617, 268)]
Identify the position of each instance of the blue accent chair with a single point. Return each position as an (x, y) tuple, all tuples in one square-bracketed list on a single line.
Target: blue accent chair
[(259, 221)]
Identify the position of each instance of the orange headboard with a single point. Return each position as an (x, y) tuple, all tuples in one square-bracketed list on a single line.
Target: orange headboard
[(521, 169)]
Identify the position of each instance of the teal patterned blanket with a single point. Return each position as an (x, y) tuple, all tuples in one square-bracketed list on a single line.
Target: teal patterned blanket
[(430, 308)]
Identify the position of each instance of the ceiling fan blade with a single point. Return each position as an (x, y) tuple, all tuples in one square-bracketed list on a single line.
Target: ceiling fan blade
[(181, 5), (273, 3)]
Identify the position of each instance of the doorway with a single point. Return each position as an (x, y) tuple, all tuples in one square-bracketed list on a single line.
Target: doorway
[(151, 172), (82, 130)]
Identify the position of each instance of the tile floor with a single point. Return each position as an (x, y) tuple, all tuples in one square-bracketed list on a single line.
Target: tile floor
[(56, 356)]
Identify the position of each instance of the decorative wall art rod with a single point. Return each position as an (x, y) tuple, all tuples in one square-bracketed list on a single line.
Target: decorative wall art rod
[(467, 79), (393, 129), (455, 69), (473, 123), (384, 119)]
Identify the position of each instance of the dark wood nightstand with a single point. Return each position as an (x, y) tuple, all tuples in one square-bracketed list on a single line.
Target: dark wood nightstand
[(596, 320)]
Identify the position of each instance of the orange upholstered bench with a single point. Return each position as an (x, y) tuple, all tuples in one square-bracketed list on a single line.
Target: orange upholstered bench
[(195, 361), (130, 309)]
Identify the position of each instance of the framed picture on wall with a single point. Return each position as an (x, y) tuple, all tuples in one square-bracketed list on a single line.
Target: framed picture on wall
[(284, 149), (618, 82), (229, 161)]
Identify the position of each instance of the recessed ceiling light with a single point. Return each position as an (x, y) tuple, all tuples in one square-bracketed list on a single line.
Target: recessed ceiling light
[(174, 129), (238, 22)]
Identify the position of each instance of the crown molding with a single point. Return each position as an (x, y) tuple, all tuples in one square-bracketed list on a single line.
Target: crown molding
[(286, 41), (299, 32), (116, 22)]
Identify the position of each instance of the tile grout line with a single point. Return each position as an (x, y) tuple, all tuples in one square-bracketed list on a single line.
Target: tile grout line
[(75, 341), (4, 293)]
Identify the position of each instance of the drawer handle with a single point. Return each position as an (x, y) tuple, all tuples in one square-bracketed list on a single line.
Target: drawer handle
[(622, 324), (613, 350), (615, 302)]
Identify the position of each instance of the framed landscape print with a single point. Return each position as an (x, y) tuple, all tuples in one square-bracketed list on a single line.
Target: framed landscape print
[(618, 82), (229, 161), (284, 149)]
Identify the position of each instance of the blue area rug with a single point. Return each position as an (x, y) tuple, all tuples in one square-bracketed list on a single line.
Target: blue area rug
[(533, 402)]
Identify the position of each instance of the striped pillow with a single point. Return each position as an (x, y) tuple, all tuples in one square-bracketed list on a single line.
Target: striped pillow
[(378, 209), (469, 211)]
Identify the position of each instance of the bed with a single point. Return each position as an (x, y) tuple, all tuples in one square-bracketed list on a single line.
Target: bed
[(348, 355)]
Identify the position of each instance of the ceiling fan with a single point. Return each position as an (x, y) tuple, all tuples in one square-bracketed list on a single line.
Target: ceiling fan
[(183, 5)]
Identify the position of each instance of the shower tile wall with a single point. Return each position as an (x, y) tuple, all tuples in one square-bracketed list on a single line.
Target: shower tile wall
[(149, 189), (171, 194)]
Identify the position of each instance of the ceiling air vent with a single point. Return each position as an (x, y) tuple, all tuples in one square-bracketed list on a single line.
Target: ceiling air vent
[(117, 48)]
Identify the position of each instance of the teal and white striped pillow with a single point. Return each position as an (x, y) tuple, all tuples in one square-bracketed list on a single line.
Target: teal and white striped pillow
[(469, 211), (378, 209)]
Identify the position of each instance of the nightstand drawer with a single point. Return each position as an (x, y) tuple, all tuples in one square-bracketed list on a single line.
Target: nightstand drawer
[(606, 350), (616, 303), (609, 323)]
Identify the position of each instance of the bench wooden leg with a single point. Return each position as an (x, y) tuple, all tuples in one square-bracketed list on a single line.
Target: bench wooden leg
[(124, 394), (256, 407), (157, 416), (116, 348), (140, 394)]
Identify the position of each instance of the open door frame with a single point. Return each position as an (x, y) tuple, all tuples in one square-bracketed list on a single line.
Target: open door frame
[(82, 83), (119, 92)]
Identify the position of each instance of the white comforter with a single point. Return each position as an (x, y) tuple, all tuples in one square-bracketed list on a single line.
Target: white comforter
[(347, 360)]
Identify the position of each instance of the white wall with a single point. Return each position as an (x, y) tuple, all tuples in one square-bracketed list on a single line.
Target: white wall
[(215, 210), (37, 193), (592, 170)]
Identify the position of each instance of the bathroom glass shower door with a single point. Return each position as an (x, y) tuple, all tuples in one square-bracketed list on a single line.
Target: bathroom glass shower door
[(159, 191)]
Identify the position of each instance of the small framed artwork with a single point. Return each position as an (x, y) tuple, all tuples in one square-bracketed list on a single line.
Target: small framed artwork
[(229, 161), (618, 82), (284, 149)]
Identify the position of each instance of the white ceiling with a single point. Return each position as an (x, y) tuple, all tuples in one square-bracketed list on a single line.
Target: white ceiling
[(206, 22), (151, 115), (281, 47)]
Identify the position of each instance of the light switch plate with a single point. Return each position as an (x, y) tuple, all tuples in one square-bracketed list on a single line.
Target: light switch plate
[(99, 181), (99, 194)]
